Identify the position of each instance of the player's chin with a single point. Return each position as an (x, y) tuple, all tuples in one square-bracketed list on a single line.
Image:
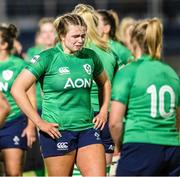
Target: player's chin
[(78, 47)]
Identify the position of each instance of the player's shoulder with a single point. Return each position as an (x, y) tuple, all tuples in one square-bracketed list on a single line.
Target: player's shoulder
[(16, 59), (87, 51), (50, 51)]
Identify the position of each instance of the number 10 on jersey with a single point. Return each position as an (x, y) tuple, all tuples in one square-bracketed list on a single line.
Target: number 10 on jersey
[(160, 105)]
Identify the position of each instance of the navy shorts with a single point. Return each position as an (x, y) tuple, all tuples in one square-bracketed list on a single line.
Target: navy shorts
[(141, 159), (68, 142), (10, 134), (106, 137)]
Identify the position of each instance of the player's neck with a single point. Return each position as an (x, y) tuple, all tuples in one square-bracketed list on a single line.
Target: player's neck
[(4, 55)]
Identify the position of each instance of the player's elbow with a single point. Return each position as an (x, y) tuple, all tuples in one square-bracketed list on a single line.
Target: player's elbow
[(113, 126), (14, 91), (6, 108)]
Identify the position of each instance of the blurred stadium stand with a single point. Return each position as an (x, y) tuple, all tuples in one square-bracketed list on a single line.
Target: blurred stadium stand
[(26, 13)]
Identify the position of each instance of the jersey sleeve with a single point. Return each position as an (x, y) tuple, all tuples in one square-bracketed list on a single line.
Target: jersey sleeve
[(98, 66), (122, 83), (38, 65)]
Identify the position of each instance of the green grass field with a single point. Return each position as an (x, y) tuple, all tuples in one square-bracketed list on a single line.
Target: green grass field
[(29, 173)]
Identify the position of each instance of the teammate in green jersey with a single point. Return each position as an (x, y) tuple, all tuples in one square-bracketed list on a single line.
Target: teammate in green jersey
[(16, 134), (108, 28), (108, 31), (69, 132), (45, 39), (109, 61), (147, 93)]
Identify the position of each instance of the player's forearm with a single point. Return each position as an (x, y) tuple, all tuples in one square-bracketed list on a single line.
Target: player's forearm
[(104, 96), (31, 93), (116, 131)]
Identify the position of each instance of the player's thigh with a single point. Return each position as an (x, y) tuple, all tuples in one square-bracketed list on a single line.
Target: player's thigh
[(13, 161), (60, 165), (91, 160)]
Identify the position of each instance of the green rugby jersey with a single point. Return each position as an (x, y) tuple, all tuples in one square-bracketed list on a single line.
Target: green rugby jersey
[(9, 69), (151, 91), (123, 53), (31, 53), (109, 61), (34, 51), (66, 82)]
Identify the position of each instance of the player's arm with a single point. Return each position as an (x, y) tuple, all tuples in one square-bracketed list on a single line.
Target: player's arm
[(30, 130), (4, 108), (120, 96), (116, 122), (104, 93), (21, 85), (104, 89)]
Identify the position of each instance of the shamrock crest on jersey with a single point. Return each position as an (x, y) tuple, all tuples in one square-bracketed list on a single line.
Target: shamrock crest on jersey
[(87, 68), (7, 74)]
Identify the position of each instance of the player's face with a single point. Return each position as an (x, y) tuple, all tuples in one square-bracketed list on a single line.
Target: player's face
[(47, 34), (74, 40)]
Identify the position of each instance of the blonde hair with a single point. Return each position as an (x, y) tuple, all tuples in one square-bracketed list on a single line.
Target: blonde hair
[(124, 25), (61, 23), (88, 13), (45, 20), (148, 34)]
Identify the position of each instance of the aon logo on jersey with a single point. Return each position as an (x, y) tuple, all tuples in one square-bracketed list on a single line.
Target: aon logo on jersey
[(3, 86), (78, 83), (6, 75)]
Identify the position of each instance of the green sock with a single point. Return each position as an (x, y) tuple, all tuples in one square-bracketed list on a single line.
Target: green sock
[(107, 170), (40, 172), (76, 171)]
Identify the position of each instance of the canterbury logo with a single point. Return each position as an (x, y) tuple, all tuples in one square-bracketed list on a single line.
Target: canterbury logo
[(64, 70), (62, 146)]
